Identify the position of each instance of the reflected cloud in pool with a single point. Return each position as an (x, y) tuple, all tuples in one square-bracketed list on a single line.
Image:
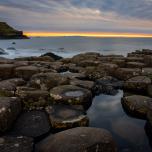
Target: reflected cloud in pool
[(107, 112)]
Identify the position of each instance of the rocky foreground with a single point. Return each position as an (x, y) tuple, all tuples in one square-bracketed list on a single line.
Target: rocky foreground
[(43, 98), (7, 32)]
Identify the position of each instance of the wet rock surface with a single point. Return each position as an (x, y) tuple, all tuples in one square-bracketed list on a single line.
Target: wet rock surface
[(138, 83), (67, 116), (79, 139), (108, 85), (137, 105), (69, 94), (47, 81), (10, 107), (33, 124), (16, 144), (33, 98)]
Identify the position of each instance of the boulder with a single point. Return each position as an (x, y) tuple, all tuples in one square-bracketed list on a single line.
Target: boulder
[(71, 75), (47, 81), (148, 60), (81, 139), (108, 85), (52, 55), (67, 116), (134, 59), (34, 58), (147, 72), (137, 105), (59, 66), (94, 73), (10, 107), (138, 83), (83, 84), (7, 89), (33, 98), (69, 94), (87, 62), (33, 124), (126, 73), (6, 71), (135, 65), (149, 90), (91, 56), (120, 62), (26, 72), (16, 81), (16, 144)]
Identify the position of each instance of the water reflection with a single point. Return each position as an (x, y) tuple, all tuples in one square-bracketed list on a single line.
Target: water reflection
[(107, 112)]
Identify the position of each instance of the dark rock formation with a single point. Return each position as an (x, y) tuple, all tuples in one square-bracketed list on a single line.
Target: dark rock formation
[(7, 32), (67, 116), (16, 144), (81, 139), (9, 110), (33, 124)]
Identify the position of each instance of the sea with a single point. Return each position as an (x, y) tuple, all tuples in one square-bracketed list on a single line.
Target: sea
[(70, 46), (130, 134)]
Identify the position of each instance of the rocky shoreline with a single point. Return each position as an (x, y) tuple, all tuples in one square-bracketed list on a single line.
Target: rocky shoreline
[(44, 100)]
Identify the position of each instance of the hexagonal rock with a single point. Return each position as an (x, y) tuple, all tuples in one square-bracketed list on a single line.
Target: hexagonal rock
[(47, 81), (32, 124), (26, 72), (121, 63), (16, 144), (83, 84), (71, 75), (148, 60), (10, 107), (7, 89), (137, 105), (138, 83), (86, 56), (67, 116), (69, 94), (81, 139), (109, 67), (94, 73), (147, 72), (32, 98), (135, 65), (126, 73), (16, 81), (149, 90), (135, 59), (86, 63), (108, 85), (6, 71)]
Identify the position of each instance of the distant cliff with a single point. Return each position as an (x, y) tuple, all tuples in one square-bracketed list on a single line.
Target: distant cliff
[(7, 32)]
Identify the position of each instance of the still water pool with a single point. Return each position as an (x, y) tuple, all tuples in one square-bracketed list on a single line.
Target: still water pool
[(129, 133)]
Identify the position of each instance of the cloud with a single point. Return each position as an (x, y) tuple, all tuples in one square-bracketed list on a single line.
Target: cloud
[(78, 15)]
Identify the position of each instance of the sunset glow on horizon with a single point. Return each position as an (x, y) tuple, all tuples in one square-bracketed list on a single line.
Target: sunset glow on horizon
[(85, 34)]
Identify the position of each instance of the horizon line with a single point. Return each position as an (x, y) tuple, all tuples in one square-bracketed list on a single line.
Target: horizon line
[(87, 34)]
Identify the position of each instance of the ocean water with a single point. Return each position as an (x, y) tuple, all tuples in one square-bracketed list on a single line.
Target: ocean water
[(106, 111), (69, 46)]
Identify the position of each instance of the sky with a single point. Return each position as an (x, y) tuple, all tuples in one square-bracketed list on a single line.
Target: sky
[(83, 16)]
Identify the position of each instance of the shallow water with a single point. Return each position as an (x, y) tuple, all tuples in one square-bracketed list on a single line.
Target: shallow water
[(107, 112), (74, 93), (69, 46)]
